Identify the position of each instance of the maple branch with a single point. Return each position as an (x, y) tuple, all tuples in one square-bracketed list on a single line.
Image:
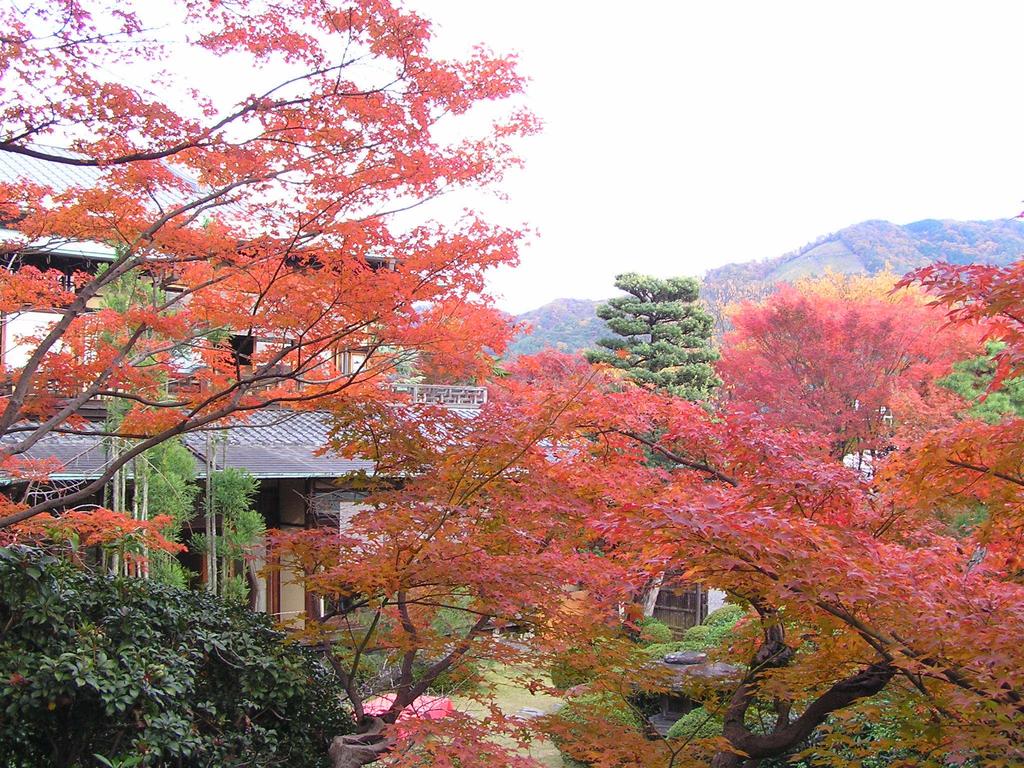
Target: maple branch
[(90, 488), (356, 750), (194, 422), (699, 466), (122, 395), (863, 684), (888, 646), (348, 678), (981, 469), (78, 306), (460, 650), (72, 406), (787, 734)]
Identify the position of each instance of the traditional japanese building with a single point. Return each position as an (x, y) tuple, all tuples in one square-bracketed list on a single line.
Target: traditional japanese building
[(301, 482)]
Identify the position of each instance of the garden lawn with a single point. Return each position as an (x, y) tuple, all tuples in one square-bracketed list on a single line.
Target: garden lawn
[(512, 697)]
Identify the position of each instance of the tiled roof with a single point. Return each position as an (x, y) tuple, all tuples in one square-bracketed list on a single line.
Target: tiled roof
[(270, 444), (274, 443), (15, 167), (80, 457), (284, 461), (279, 427)]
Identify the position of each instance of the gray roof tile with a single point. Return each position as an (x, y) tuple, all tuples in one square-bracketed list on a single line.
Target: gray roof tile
[(269, 444)]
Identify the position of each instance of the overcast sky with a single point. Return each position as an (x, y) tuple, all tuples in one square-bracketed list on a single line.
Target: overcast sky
[(683, 135)]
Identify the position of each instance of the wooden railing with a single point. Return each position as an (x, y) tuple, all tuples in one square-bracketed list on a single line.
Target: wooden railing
[(450, 395)]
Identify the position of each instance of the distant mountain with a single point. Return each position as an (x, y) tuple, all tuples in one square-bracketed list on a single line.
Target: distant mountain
[(865, 248), (568, 325)]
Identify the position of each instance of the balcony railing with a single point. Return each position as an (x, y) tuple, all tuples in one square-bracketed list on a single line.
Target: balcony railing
[(450, 395)]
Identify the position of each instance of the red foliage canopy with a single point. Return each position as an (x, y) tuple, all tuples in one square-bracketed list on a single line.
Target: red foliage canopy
[(266, 213), (850, 369)]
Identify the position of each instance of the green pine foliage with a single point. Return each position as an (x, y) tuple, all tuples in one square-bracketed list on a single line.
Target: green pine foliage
[(971, 380), (663, 336)]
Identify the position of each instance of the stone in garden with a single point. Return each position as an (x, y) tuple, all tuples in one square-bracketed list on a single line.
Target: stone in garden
[(529, 713), (685, 657)]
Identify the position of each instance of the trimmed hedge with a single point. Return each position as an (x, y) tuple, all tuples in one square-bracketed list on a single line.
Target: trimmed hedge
[(712, 633), (654, 631), (726, 616), (696, 724)]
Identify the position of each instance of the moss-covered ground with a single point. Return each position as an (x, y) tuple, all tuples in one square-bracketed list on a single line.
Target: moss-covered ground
[(513, 697)]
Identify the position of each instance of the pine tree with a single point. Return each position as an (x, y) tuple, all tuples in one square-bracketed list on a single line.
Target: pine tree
[(663, 336)]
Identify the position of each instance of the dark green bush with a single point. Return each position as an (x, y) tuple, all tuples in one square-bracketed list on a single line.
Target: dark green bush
[(141, 673), (584, 715), (569, 670), (715, 630), (603, 707), (654, 631), (726, 616), (696, 724)]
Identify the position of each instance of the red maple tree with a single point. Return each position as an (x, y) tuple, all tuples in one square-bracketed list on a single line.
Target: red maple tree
[(852, 365), (265, 214), (863, 603)]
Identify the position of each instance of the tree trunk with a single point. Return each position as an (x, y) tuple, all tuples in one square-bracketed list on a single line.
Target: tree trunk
[(649, 598), (360, 749), (732, 760)]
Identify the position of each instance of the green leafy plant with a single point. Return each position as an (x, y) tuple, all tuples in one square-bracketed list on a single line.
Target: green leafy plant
[(715, 630), (654, 631), (696, 724), (241, 529), (589, 713), (129, 672)]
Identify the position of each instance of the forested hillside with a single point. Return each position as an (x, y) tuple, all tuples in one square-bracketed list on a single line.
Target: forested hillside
[(568, 325), (865, 248)]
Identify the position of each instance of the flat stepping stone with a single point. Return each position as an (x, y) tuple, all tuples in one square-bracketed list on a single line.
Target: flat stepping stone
[(529, 713), (685, 657)]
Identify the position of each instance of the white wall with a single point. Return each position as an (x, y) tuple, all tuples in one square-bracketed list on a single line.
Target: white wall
[(17, 327), (716, 599)]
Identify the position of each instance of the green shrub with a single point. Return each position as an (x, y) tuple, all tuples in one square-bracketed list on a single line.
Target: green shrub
[(603, 707), (654, 631), (145, 674), (582, 716), (696, 724), (726, 616), (657, 650), (715, 630), (700, 635), (569, 670)]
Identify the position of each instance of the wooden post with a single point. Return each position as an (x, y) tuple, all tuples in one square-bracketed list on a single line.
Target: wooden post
[(211, 524)]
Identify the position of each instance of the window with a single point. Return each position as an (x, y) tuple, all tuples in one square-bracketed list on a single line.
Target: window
[(243, 347)]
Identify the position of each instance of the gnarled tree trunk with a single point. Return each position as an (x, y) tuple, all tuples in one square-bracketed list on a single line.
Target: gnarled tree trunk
[(360, 749)]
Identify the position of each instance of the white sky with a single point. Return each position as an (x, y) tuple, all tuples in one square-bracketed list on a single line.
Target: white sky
[(683, 135)]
